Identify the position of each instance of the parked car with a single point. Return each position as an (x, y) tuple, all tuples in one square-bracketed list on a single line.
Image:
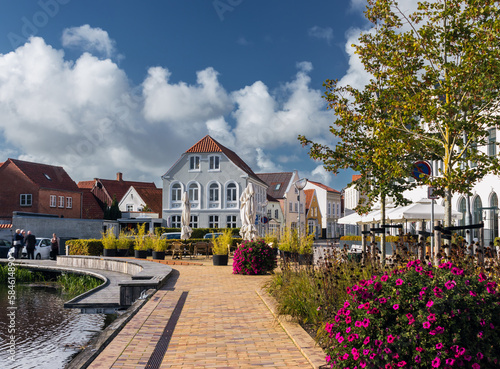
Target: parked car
[(42, 249), (171, 236), (5, 247), (212, 235)]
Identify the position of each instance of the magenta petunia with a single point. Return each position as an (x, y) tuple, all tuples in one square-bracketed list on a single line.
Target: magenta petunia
[(427, 325), (439, 346), (429, 303), (390, 338), (395, 306), (399, 282), (436, 362)]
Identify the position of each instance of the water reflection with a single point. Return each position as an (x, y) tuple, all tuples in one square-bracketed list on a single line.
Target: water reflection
[(47, 335)]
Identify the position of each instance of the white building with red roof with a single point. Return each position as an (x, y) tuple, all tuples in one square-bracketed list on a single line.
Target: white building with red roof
[(214, 178)]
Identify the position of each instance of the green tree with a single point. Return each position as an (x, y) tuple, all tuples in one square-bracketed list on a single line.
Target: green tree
[(113, 212), (442, 66)]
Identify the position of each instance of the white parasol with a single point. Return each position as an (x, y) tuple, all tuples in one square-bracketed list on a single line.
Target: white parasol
[(185, 217), (247, 213)]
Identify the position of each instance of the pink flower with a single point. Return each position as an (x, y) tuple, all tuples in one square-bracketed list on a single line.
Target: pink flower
[(450, 284), (472, 293), (366, 341), (384, 278), (429, 303), (390, 338), (402, 363), (395, 306), (436, 362), (450, 361), (439, 346), (366, 322), (417, 359), (427, 325), (346, 304), (399, 282), (476, 366)]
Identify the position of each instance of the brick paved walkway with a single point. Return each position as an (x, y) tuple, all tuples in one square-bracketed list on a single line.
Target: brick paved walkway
[(223, 324)]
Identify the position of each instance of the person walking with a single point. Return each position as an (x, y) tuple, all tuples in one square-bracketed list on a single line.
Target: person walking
[(18, 244), (30, 245), (54, 247)]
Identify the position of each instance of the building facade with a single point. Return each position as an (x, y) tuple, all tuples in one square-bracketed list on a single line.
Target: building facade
[(330, 203), (214, 178)]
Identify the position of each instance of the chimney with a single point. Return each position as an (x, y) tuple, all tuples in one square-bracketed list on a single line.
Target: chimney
[(119, 176)]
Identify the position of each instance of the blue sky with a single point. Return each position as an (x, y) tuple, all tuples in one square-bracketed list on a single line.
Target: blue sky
[(105, 86)]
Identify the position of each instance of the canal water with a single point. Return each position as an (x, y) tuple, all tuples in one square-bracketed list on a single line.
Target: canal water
[(46, 335)]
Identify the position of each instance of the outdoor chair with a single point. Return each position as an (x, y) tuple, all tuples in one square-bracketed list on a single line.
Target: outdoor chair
[(202, 247), (177, 248)]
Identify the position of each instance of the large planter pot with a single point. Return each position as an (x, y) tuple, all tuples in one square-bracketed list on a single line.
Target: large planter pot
[(109, 252), (305, 259), (220, 259), (159, 255), (150, 252), (122, 252), (140, 254)]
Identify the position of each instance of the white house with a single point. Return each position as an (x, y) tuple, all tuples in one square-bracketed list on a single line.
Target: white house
[(214, 178)]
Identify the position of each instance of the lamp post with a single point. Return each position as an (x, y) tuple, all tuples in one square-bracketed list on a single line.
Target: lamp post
[(299, 185)]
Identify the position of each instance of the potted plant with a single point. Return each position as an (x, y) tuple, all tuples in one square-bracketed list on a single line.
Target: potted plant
[(140, 245), (159, 247), (289, 244), (123, 244), (253, 257), (306, 250), (221, 246), (272, 240), (109, 243)]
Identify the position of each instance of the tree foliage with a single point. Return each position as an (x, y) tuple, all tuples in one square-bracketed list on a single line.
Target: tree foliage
[(439, 72)]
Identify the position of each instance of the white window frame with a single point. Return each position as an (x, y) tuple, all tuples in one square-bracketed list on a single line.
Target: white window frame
[(213, 221), (69, 202), (61, 202), (193, 221), (130, 207), (194, 188), (194, 163), (53, 201), (178, 192), (25, 199), (175, 221), (213, 189), (231, 221), (231, 193), (214, 163)]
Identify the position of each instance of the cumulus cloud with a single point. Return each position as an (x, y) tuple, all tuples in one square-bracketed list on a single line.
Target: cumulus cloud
[(106, 125), (94, 40), (325, 33)]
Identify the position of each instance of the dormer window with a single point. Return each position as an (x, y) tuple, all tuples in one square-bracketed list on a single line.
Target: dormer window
[(214, 162), (47, 176), (194, 163)]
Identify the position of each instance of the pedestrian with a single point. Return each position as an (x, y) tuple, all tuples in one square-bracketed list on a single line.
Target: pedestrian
[(54, 247), (30, 245), (18, 244)]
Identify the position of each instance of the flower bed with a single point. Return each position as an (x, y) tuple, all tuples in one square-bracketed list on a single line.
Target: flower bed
[(253, 257), (417, 317)]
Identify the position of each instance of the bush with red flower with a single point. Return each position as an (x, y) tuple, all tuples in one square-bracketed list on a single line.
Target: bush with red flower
[(253, 257), (418, 317)]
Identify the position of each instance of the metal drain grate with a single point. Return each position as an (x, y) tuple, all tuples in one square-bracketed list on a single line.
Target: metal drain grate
[(156, 358)]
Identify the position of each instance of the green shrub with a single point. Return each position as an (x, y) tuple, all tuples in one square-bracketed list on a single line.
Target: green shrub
[(253, 257), (222, 243), (85, 247), (109, 239)]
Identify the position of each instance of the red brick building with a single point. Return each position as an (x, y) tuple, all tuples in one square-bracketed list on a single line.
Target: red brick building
[(37, 188)]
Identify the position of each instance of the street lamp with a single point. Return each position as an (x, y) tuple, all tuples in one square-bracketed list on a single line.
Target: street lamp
[(299, 185)]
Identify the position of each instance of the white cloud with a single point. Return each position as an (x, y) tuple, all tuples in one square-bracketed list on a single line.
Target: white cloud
[(90, 39), (325, 33), (243, 41), (106, 125)]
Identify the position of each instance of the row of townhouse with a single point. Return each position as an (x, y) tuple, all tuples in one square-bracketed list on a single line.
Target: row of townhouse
[(213, 176)]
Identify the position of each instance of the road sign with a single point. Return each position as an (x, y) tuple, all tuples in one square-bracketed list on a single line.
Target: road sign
[(264, 220), (420, 169), (430, 193)]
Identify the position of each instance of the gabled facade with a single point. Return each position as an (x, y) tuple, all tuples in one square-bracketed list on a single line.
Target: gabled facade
[(37, 188), (281, 187), (330, 203), (313, 213), (214, 178), (142, 200), (102, 192)]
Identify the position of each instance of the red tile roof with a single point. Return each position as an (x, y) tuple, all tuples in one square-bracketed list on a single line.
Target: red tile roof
[(355, 177), (92, 208), (309, 197), (321, 185), (86, 184), (152, 198), (208, 145), (46, 176), (120, 188), (273, 179)]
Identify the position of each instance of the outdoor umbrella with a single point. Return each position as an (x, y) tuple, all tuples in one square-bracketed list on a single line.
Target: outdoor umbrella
[(247, 213), (185, 217), (420, 210)]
